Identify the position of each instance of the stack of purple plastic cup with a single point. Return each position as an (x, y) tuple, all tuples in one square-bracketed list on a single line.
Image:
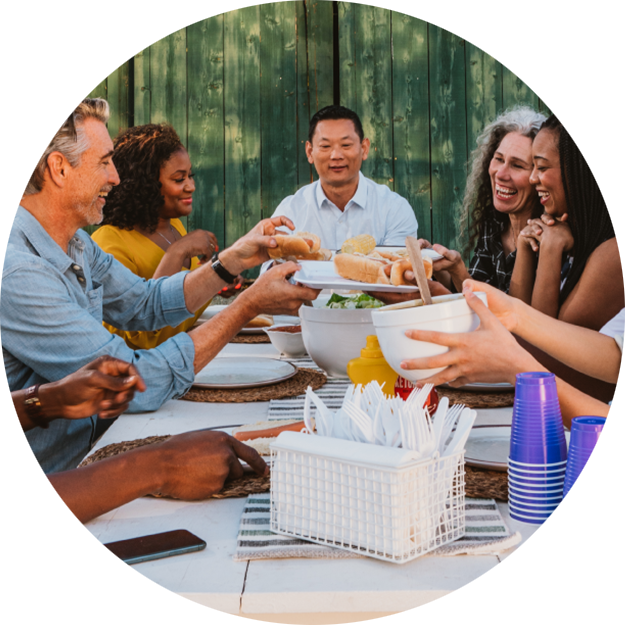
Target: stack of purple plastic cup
[(538, 456), (592, 503)]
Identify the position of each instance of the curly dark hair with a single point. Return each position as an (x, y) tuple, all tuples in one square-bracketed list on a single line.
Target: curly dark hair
[(477, 204), (588, 215), (140, 152)]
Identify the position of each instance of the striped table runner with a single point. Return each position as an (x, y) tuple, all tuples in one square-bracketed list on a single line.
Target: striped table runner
[(486, 534), (332, 393)]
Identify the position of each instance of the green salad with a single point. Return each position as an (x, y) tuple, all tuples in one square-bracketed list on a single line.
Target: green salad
[(353, 301)]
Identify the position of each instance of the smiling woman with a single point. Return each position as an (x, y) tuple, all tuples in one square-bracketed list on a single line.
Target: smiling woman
[(142, 226), (568, 263), (498, 201)]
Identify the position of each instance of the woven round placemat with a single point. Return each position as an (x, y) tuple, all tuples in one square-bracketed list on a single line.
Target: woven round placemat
[(250, 338), (289, 388), (486, 484), (477, 400), (249, 484)]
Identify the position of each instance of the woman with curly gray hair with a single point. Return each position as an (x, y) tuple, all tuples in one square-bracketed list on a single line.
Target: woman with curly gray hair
[(498, 201)]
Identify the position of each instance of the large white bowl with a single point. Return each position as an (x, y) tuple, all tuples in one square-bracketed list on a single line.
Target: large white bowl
[(333, 336), (448, 313)]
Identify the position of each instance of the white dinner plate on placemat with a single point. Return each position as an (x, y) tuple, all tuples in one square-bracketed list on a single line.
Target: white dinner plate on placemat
[(483, 387), (488, 447), (231, 373)]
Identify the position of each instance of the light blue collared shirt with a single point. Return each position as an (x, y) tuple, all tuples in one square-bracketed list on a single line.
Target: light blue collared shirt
[(51, 311), (374, 210)]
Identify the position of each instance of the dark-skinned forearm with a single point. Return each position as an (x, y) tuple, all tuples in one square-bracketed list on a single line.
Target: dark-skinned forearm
[(105, 485)]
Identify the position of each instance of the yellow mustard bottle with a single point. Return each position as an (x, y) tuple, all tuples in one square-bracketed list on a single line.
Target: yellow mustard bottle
[(372, 366)]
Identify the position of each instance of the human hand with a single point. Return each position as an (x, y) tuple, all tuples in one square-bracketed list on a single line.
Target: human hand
[(196, 243), (451, 261), (556, 232), (507, 309), (230, 290), (251, 249), (105, 387), (195, 465), (273, 294), (489, 354)]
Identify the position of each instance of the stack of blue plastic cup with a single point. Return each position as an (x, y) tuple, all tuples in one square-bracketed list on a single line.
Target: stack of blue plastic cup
[(592, 502), (538, 456)]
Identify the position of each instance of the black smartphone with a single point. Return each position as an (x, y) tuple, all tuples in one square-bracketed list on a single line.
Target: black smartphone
[(155, 546)]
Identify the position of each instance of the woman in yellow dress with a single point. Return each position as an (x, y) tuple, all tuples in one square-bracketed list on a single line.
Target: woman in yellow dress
[(141, 226)]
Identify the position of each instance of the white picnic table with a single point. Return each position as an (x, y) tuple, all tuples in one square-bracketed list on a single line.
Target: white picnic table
[(544, 579)]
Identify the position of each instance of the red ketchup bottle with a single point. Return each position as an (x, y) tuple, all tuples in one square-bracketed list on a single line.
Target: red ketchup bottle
[(404, 387)]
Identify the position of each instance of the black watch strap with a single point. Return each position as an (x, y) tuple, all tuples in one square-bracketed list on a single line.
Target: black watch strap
[(221, 271)]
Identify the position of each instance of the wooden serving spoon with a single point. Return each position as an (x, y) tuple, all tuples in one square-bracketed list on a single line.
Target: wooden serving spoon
[(414, 253)]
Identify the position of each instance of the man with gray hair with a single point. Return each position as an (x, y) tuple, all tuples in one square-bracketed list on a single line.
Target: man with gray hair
[(58, 286)]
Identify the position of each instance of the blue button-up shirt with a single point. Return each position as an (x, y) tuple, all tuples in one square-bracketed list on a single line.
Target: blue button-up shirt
[(51, 310), (374, 210)]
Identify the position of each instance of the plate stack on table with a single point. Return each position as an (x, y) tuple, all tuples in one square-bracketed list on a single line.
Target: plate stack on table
[(538, 451), (592, 503)]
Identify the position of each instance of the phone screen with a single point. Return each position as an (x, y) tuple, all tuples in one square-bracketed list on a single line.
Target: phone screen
[(154, 546)]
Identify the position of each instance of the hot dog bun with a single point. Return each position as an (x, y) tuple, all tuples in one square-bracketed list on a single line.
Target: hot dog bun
[(361, 268), (294, 244), (267, 429), (262, 321), (399, 267)]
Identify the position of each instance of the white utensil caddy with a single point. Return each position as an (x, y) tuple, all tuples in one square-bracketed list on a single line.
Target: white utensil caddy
[(381, 502)]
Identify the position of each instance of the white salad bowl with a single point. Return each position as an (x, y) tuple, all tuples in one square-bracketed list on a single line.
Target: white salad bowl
[(447, 313), (333, 336)]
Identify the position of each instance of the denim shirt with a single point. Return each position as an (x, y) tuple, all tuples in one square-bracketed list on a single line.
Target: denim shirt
[(51, 311)]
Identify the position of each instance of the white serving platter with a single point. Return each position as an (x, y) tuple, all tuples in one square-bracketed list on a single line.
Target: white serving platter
[(233, 373), (321, 275)]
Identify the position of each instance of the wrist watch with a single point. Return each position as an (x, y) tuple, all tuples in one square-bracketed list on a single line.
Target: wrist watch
[(32, 407), (221, 271)]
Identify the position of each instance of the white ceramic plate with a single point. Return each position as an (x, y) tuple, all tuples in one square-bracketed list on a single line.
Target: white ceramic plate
[(232, 373), (278, 320), (488, 447), (425, 252), (484, 387), (321, 275)]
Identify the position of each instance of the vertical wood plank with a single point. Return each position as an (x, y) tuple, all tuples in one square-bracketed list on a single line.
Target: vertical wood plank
[(575, 52), (117, 95), (205, 70), (597, 50), (143, 91), (242, 121), (544, 59), (278, 103), (484, 91), (75, 16), (168, 82), (348, 68), (520, 53), (93, 61), (41, 47), (448, 132), (374, 67), (63, 54), (320, 54), (24, 50), (304, 109), (411, 117), (615, 60)]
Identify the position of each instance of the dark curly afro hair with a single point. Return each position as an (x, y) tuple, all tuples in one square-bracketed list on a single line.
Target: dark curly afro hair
[(140, 152)]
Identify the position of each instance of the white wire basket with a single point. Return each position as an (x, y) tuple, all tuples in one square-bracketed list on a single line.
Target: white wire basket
[(376, 501)]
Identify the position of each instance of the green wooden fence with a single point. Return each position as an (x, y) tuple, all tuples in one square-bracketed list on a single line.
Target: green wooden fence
[(240, 88)]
